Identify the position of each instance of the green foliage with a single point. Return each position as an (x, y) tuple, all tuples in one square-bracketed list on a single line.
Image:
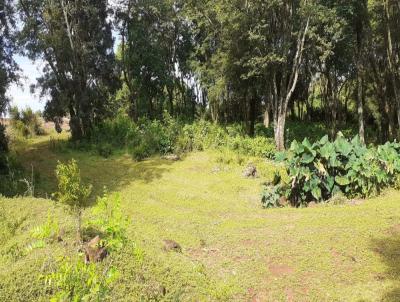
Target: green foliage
[(320, 170), (49, 230), (204, 135), (83, 50), (26, 122), (71, 191), (76, 281), (110, 221), (270, 197), (11, 176), (105, 150), (146, 138)]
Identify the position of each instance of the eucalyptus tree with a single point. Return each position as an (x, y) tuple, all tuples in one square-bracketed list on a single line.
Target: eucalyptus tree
[(278, 40), (154, 50), (74, 39), (391, 34), (8, 67)]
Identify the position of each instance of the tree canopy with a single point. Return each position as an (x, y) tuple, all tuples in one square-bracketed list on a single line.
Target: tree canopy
[(239, 61)]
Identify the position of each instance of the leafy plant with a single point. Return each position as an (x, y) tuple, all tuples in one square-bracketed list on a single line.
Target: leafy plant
[(111, 221), (320, 170), (146, 138), (26, 122), (270, 197), (50, 229), (76, 281), (71, 192)]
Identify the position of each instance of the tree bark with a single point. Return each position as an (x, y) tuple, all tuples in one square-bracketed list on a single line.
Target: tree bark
[(266, 116), (360, 108), (283, 95), (391, 60)]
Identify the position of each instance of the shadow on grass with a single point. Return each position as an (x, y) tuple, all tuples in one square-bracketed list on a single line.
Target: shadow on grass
[(388, 249), (113, 173)]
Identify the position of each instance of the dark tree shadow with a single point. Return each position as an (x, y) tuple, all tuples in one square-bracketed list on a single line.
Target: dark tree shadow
[(388, 249), (113, 173)]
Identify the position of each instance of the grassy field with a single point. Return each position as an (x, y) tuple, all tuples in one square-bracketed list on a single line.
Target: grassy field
[(233, 250)]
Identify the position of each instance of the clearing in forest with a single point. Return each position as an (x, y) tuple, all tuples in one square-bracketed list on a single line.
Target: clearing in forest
[(232, 249)]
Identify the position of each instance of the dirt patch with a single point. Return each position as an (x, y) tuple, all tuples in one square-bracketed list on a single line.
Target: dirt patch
[(257, 296), (280, 270), (394, 230), (248, 243), (289, 294), (203, 252), (336, 256)]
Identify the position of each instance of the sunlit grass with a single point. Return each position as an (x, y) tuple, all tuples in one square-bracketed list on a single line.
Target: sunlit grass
[(233, 250)]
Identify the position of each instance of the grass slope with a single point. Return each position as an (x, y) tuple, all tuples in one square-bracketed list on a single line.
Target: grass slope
[(232, 249)]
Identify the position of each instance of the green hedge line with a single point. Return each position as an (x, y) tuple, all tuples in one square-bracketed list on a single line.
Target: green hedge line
[(149, 137)]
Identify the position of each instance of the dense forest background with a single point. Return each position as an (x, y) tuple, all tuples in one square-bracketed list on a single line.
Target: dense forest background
[(238, 61)]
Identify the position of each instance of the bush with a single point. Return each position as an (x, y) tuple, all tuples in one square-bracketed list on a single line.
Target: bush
[(26, 122), (146, 138), (12, 176), (3, 149), (111, 222), (270, 197), (71, 192), (105, 150), (77, 281), (319, 171)]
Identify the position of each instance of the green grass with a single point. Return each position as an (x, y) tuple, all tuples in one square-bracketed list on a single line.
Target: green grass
[(232, 249)]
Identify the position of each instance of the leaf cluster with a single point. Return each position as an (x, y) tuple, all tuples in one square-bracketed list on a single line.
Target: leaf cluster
[(319, 171), (71, 191)]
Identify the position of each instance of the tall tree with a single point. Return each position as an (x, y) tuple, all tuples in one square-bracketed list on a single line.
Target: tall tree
[(8, 67), (74, 39), (154, 50)]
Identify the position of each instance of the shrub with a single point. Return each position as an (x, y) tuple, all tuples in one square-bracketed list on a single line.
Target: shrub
[(11, 175), (110, 221), (270, 197), (71, 192), (3, 149), (26, 122), (146, 137), (319, 171), (105, 150), (77, 281)]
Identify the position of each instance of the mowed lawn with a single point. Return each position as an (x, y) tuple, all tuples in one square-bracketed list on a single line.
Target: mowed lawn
[(232, 249)]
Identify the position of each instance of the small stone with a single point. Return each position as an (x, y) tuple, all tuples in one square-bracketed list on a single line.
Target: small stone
[(312, 204), (170, 245)]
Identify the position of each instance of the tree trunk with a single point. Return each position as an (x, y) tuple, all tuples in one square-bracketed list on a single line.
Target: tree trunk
[(280, 132), (266, 117), (360, 108), (252, 114), (171, 100), (392, 60)]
